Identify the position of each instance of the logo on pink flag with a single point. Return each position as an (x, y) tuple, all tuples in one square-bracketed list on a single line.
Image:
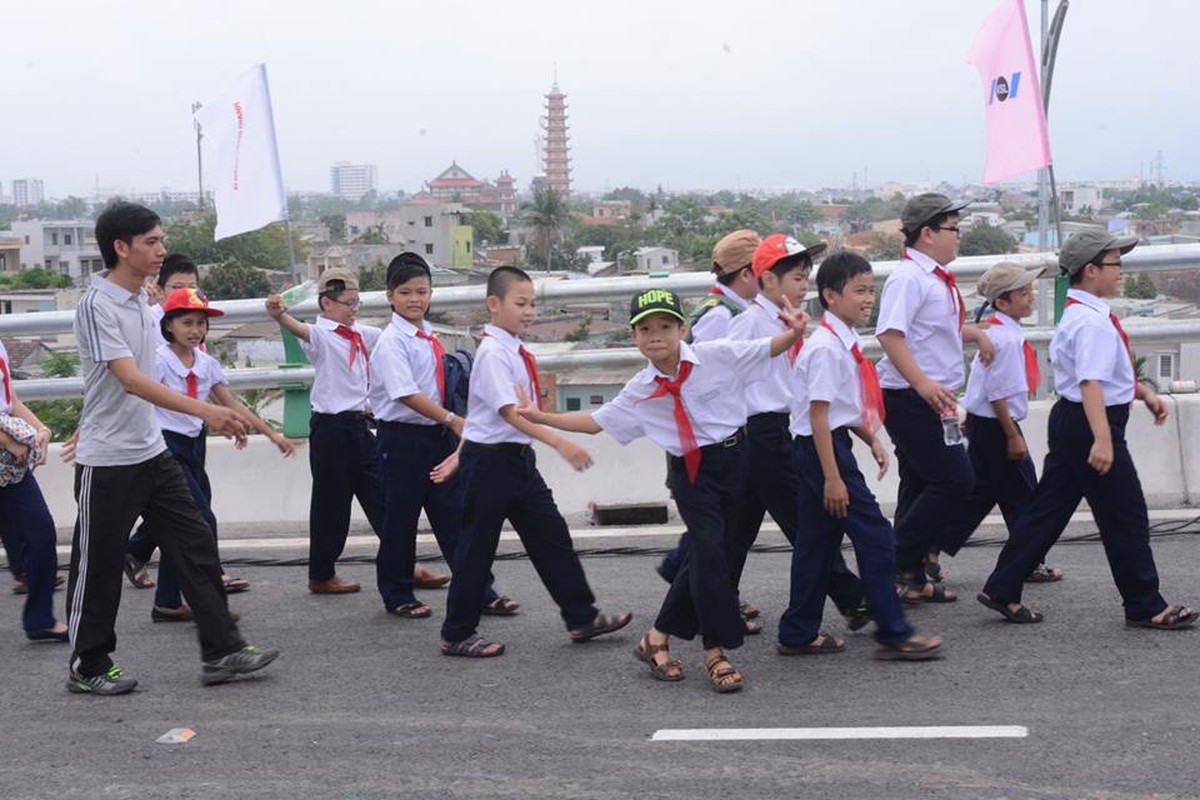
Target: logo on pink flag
[(1016, 121)]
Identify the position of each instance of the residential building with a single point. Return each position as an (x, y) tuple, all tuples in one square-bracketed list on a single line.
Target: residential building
[(10, 251), (437, 231), (655, 259), (66, 247), (28, 192), (1074, 199), (352, 181), (456, 185)]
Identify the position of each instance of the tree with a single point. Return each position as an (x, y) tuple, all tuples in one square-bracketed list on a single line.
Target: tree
[(336, 224), (547, 215), (266, 247), (488, 226), (373, 235), (233, 280), (35, 278), (885, 247), (986, 240), (373, 278), (60, 416), (1140, 287)]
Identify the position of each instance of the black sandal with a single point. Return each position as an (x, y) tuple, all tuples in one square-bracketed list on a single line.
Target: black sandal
[(823, 643), (1176, 618), (600, 625), (413, 610), (500, 607), (915, 597), (473, 647), (1023, 615), (914, 648)]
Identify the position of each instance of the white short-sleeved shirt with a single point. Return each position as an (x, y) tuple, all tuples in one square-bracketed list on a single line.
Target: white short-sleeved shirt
[(497, 369), (1087, 347), (713, 396), (826, 371), (5, 381), (919, 304), (714, 324), (1003, 379), (116, 428), (170, 372), (338, 385), (773, 394), (402, 364)]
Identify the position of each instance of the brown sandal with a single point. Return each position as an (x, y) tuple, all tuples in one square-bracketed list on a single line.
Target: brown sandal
[(413, 610), (670, 670), (717, 675)]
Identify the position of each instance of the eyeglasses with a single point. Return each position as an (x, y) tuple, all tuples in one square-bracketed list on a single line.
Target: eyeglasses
[(948, 228), (1109, 264), (174, 287), (347, 303)]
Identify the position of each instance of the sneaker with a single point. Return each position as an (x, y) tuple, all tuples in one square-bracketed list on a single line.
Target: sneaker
[(248, 659), (112, 681)]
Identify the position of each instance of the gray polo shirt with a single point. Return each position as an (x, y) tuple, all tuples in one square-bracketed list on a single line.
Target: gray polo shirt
[(117, 428)]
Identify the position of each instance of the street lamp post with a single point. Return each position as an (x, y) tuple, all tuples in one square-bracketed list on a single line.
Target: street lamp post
[(199, 159)]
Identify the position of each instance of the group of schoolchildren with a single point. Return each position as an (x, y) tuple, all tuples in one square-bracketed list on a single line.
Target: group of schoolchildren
[(754, 415)]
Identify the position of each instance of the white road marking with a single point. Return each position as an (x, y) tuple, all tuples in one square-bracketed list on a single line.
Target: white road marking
[(779, 734)]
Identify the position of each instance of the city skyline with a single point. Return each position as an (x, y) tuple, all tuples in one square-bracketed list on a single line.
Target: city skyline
[(686, 97)]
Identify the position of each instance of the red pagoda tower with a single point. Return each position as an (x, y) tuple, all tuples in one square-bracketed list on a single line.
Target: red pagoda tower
[(556, 156)]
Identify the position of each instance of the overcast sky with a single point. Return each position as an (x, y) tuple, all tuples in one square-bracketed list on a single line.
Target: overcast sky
[(696, 94)]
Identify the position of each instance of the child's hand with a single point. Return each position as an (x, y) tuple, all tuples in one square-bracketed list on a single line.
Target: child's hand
[(239, 442), (19, 451), (1156, 405), (276, 306), (879, 453), (285, 445), (43, 441), (445, 470), (796, 319), (224, 421), (1100, 458), (937, 396), (574, 455), (154, 292), (68, 449), (837, 498), (526, 407), (1017, 449)]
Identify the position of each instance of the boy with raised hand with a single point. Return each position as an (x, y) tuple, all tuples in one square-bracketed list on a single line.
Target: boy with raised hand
[(781, 265), (921, 330), (501, 481), (689, 400), (417, 433), (835, 393), (124, 469), (1096, 385)]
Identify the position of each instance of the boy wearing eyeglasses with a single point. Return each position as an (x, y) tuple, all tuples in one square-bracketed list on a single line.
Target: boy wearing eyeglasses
[(921, 331), (1096, 384)]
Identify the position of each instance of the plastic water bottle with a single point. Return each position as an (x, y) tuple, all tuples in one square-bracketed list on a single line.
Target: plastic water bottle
[(951, 432)]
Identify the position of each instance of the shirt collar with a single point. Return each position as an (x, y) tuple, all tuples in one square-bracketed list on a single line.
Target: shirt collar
[(844, 333), (1006, 321), (406, 327), (171, 359), (329, 325), (767, 305), (118, 293), (921, 260), (502, 336), (741, 302), (686, 353), (1090, 300)]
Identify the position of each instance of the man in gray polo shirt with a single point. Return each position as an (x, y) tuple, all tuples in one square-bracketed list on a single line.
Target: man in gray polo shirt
[(124, 470)]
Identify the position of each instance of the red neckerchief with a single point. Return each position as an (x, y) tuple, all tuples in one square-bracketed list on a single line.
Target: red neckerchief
[(530, 369), (1032, 373), (868, 382), (439, 361), (8, 395), (193, 385), (951, 284), (687, 436), (356, 346), (793, 352)]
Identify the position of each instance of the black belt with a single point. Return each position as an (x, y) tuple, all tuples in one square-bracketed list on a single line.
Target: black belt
[(512, 448)]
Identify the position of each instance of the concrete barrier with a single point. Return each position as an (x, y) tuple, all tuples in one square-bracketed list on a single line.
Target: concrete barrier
[(257, 485)]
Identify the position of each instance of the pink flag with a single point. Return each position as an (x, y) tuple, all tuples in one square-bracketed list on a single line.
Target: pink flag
[(1016, 120)]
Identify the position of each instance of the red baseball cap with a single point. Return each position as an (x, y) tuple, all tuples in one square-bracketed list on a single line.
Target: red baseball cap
[(189, 300), (777, 247)]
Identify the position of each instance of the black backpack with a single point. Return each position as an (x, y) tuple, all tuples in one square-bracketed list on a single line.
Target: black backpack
[(457, 365)]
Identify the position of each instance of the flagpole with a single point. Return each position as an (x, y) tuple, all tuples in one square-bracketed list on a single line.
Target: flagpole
[(1049, 56)]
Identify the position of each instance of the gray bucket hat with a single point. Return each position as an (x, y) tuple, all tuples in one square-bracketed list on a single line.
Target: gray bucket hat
[(1083, 247)]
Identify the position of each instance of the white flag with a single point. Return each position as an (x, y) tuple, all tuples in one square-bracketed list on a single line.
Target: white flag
[(249, 182)]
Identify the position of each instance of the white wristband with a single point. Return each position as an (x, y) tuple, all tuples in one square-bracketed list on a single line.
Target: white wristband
[(450, 417)]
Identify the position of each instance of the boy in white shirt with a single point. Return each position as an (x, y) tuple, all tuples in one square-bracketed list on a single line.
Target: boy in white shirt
[(689, 400), (1088, 457), (835, 393)]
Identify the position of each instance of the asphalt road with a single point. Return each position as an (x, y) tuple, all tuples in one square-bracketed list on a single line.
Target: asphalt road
[(362, 705)]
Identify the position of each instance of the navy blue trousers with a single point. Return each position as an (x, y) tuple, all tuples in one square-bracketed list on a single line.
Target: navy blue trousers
[(1117, 504), (408, 453), (190, 452), (500, 482), (999, 481), (343, 457), (702, 599), (772, 488), (936, 480), (818, 543), (28, 531)]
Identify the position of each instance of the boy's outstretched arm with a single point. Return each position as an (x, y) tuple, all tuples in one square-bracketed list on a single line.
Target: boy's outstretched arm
[(277, 308), (574, 421)]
